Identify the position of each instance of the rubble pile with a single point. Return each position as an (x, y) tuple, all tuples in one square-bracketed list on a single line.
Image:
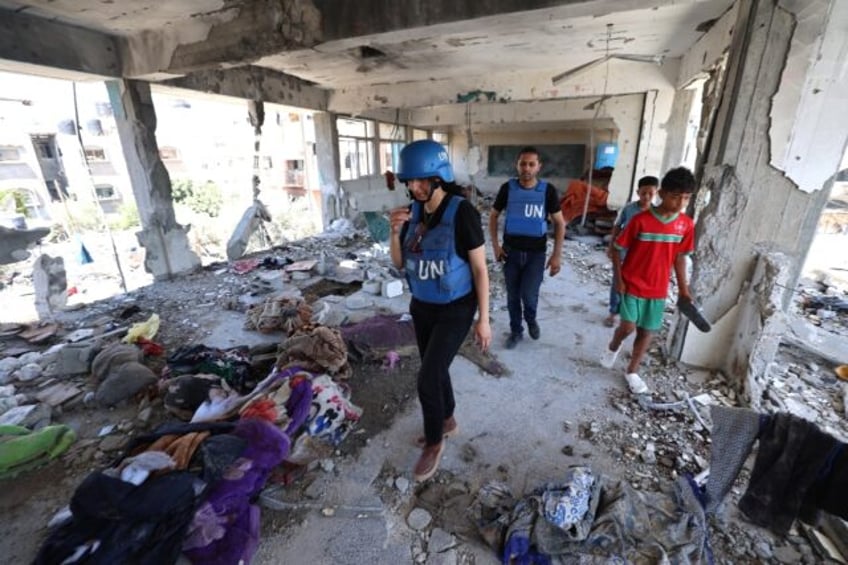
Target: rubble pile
[(824, 304)]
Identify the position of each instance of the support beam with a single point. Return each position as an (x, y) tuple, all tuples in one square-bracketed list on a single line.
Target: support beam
[(709, 49), (37, 41), (168, 252), (354, 21), (261, 28), (255, 83), (625, 77)]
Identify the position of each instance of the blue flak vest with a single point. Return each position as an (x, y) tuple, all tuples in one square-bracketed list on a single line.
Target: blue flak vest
[(525, 210), (436, 274)]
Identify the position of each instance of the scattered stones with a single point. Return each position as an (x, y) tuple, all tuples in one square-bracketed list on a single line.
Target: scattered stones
[(402, 484), (787, 554), (449, 557), (28, 372), (112, 443), (440, 541), (33, 416), (763, 550), (418, 519)]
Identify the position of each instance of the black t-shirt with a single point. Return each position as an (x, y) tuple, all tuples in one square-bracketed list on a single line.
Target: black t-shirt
[(525, 242), (468, 230)]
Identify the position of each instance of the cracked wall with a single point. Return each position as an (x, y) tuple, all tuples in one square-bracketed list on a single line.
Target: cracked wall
[(166, 245), (749, 208), (814, 80)]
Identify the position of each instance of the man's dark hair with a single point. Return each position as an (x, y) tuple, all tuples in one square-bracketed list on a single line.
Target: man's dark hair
[(680, 180), (648, 181), (528, 149)]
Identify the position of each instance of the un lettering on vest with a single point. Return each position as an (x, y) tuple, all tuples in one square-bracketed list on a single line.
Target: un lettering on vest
[(431, 269), (534, 211)]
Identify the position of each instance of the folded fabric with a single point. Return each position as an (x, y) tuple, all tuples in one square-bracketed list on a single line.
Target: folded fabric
[(225, 529), (180, 448), (570, 506), (333, 414), (22, 449), (114, 521), (733, 434)]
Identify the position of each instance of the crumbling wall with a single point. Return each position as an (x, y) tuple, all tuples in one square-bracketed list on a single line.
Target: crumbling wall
[(748, 207), (760, 325)]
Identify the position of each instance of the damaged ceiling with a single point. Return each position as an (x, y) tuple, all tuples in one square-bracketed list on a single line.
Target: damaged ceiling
[(370, 44)]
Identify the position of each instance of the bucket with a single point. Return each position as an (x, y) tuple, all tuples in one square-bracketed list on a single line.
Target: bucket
[(606, 154)]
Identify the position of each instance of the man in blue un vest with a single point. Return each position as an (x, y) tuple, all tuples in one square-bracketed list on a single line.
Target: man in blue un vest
[(529, 203)]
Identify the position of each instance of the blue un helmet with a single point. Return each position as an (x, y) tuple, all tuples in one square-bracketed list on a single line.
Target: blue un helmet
[(424, 159)]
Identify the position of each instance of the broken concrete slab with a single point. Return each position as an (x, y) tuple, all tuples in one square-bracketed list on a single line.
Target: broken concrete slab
[(58, 394), (51, 286), (29, 416), (249, 223), (73, 359), (14, 244)]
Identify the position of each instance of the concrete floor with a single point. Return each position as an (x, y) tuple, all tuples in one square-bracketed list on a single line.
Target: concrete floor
[(513, 424)]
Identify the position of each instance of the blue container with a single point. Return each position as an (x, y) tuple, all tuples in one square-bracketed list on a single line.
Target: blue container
[(606, 154)]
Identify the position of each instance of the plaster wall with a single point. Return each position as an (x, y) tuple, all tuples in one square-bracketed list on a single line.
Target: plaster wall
[(709, 49), (752, 209), (520, 135), (528, 122), (369, 194), (813, 84)]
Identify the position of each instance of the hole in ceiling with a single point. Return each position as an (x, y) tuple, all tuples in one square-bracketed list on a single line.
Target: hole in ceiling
[(704, 27), (368, 52)]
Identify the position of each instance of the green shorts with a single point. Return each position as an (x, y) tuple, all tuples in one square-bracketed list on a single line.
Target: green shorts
[(646, 313)]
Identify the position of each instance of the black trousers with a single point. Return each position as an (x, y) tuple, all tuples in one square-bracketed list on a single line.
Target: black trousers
[(440, 330)]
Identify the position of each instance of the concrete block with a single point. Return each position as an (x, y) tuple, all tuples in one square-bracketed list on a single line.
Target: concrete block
[(392, 288), (74, 359), (28, 416), (372, 286)]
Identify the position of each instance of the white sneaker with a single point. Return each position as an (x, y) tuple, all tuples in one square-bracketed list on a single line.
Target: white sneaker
[(608, 357), (636, 384)]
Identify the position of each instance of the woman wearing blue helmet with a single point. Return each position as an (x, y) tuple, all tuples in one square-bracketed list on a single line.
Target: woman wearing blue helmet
[(438, 240)]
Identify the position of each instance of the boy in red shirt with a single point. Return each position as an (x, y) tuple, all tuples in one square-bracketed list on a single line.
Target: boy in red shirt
[(656, 240)]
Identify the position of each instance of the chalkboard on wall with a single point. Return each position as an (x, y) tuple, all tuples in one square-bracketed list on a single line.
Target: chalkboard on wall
[(565, 160)]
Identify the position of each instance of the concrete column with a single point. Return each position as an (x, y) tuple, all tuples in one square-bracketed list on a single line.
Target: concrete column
[(167, 250), (749, 207), (327, 150)]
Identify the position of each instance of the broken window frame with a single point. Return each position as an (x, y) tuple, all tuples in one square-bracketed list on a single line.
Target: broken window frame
[(10, 153), (169, 153), (94, 153), (100, 189)]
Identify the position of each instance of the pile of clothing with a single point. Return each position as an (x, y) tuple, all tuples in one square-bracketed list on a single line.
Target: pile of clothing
[(589, 518), (190, 488)]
